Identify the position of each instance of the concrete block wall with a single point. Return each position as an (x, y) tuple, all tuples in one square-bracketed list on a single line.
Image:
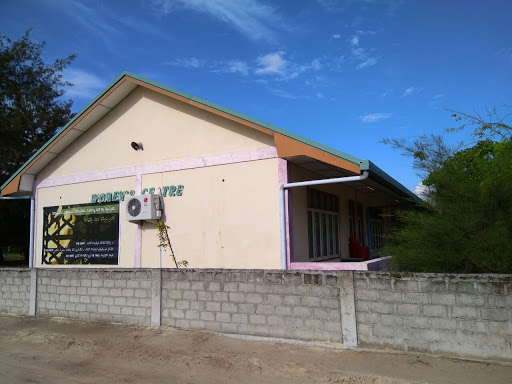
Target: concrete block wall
[(295, 305), (95, 295), (15, 290), (466, 315)]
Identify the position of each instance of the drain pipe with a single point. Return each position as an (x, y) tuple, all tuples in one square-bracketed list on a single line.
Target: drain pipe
[(31, 240), (305, 184)]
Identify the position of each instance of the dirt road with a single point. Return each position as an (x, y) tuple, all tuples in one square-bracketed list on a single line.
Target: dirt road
[(37, 350)]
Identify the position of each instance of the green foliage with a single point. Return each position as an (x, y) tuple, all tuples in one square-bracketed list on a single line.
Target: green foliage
[(465, 225), (165, 242), (31, 111), (31, 108)]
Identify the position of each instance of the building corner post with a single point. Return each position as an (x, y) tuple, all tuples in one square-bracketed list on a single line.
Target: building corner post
[(348, 308), (156, 297), (32, 304)]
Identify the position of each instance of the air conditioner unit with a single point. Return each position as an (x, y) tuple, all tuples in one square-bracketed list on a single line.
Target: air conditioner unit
[(143, 207)]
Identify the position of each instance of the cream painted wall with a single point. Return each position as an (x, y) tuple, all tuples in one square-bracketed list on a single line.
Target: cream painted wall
[(298, 211), (228, 217), (168, 129), (81, 194)]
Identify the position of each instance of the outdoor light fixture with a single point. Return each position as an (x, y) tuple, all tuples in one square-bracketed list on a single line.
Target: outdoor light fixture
[(137, 146), (370, 188)]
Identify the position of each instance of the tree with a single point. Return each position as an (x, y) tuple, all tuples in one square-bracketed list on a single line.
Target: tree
[(31, 111), (31, 108), (465, 223)]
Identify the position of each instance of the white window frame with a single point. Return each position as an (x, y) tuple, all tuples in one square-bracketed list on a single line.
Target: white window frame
[(330, 236)]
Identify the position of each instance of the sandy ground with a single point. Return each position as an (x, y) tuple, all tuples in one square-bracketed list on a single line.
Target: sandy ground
[(38, 350)]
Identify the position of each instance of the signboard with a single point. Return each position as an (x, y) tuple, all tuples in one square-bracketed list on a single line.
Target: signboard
[(81, 234)]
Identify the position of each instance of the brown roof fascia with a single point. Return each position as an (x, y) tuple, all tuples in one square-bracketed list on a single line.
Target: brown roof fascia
[(288, 147)]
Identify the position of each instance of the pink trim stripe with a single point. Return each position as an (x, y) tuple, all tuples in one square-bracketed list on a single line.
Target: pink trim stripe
[(166, 166), (319, 266)]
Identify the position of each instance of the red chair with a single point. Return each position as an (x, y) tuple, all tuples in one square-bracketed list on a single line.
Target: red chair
[(357, 250)]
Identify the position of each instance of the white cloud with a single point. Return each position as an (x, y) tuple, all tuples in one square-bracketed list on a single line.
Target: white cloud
[(272, 63), (411, 91), (370, 61), (336, 36), (422, 191), (374, 117), (283, 94), (320, 95), (250, 17), (354, 41), (186, 62), (237, 66), (86, 85)]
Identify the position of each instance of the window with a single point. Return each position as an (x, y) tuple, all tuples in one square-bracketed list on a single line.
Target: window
[(376, 234), (323, 228)]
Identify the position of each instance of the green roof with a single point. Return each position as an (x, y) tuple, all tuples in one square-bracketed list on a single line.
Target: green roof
[(365, 165)]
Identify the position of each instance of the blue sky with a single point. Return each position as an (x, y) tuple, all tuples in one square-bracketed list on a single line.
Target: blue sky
[(346, 73)]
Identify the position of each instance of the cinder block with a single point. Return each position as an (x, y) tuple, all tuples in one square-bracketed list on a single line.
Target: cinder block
[(198, 286), (140, 311), (220, 296), (293, 278), (108, 300), (236, 297), (417, 322), (212, 326), (264, 288), (198, 305), (254, 298), (120, 301), (416, 297), (134, 284), (310, 301), (229, 328), (127, 311), (332, 326), (189, 295), (231, 287), (197, 324), (92, 291), (443, 298), (86, 283), (229, 307), (407, 309), (60, 290), (329, 303), (207, 316), (465, 312), (302, 312), (435, 310), (192, 315), (223, 317), (291, 300), (108, 283), (247, 287), (104, 291), (102, 309), (182, 323), (183, 285), (495, 314), (91, 308), (265, 309), (384, 331), (240, 318), (256, 277), (141, 293), (214, 286), (274, 300), (81, 308), (324, 292), (74, 298), (117, 292), (114, 310), (85, 299), (182, 304), (257, 319), (470, 300), (443, 323), (369, 318), (70, 290), (205, 295), (462, 287), (97, 283), (127, 292), (284, 311), (213, 307), (275, 320)]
